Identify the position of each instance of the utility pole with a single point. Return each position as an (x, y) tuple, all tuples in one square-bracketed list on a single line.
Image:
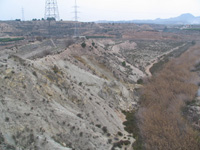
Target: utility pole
[(23, 18), (76, 32), (51, 10)]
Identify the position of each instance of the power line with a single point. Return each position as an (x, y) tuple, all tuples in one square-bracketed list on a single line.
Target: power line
[(51, 9)]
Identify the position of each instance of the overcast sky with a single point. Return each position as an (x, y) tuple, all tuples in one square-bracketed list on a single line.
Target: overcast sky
[(93, 10)]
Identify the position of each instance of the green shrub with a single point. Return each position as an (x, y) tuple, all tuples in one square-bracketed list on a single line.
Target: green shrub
[(119, 133), (131, 126), (10, 39), (55, 69), (34, 73), (98, 125), (7, 119), (139, 81), (93, 44), (124, 63), (105, 130), (83, 45)]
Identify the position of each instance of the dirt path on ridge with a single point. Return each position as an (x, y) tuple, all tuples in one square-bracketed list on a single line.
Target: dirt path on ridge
[(147, 69)]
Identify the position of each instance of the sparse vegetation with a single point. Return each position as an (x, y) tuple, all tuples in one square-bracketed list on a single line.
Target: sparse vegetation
[(139, 81), (55, 69), (93, 44), (98, 125), (80, 116), (119, 133), (7, 119), (1, 138), (97, 37), (81, 134), (108, 134), (34, 73), (159, 65), (193, 42), (131, 126), (109, 141), (51, 19), (10, 39), (105, 130), (121, 143), (124, 64)]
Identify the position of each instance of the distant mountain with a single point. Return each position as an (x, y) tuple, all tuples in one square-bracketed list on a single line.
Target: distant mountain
[(182, 19)]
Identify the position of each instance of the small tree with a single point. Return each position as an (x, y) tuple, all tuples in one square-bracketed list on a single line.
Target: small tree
[(139, 81), (124, 63), (83, 45), (51, 18), (193, 42), (93, 44)]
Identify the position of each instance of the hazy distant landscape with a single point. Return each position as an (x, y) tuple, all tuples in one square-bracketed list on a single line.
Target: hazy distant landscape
[(182, 19)]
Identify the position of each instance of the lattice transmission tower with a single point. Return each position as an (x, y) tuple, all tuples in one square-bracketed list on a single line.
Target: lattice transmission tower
[(51, 9), (76, 31), (23, 18)]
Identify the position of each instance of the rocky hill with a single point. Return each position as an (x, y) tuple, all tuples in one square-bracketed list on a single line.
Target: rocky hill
[(58, 96), (62, 93), (51, 103)]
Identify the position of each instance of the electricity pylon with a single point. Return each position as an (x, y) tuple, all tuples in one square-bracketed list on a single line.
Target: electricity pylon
[(51, 9)]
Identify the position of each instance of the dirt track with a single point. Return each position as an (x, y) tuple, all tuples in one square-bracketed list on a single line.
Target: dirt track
[(147, 69)]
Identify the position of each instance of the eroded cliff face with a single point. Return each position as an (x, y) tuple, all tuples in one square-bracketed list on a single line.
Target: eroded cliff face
[(61, 101), (53, 97)]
